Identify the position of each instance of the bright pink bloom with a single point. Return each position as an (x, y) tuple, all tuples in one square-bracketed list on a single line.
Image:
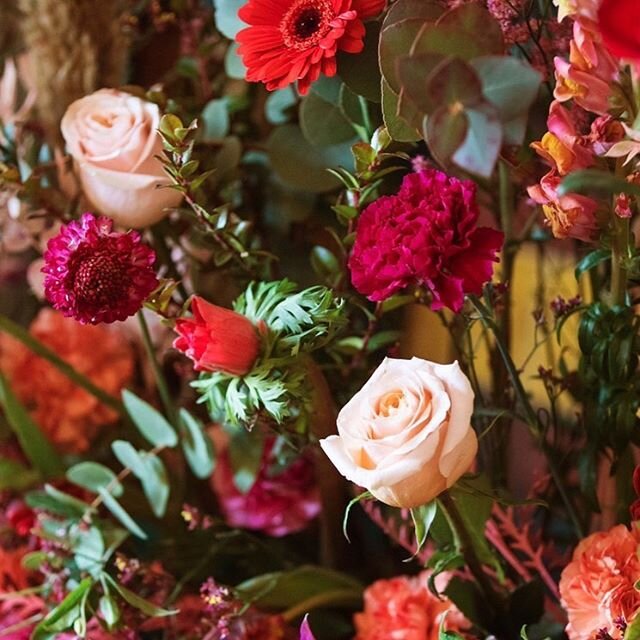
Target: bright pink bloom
[(297, 40), (562, 146), (426, 235), (217, 339), (569, 216), (405, 608), (597, 586), (14, 611), (95, 274), (278, 503), (619, 22), (305, 630)]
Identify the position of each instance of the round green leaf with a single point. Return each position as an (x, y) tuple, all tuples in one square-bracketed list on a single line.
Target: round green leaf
[(94, 476), (445, 131), (322, 122), (479, 151), (226, 16)]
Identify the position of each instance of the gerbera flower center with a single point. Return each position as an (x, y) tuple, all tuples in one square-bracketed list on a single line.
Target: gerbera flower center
[(100, 279), (306, 23)]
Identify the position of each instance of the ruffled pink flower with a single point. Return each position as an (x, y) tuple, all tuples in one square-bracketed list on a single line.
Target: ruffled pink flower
[(21, 614), (597, 586), (562, 146), (605, 132), (569, 216), (95, 274), (426, 235), (590, 71), (405, 608), (278, 503)]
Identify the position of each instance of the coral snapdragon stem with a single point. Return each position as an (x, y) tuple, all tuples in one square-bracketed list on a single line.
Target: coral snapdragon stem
[(22, 335)]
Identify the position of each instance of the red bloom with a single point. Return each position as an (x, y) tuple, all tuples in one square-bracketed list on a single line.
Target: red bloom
[(619, 22), (425, 235), (290, 40), (95, 274), (217, 339)]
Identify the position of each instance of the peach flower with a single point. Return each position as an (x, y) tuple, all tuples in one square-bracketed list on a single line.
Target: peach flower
[(68, 415), (406, 436), (404, 608), (569, 216), (573, 8), (597, 587), (113, 139)]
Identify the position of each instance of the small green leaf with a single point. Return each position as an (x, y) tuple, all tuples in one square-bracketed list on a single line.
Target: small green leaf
[(596, 181), (197, 445), (70, 603), (118, 511), (226, 17), (88, 548), (150, 422), (422, 520), (245, 453), (95, 477), (148, 608), (479, 151), (109, 610), (365, 495), (591, 260), (215, 120), (278, 105), (56, 502), (36, 447)]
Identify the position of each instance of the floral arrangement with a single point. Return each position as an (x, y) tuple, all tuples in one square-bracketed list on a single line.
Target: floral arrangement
[(318, 319)]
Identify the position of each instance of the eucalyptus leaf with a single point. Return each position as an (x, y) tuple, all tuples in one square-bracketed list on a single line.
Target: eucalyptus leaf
[(119, 512), (94, 477), (151, 424), (197, 445)]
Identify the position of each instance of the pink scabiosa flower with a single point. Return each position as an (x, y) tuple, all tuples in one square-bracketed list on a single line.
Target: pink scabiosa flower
[(277, 503), (95, 274), (597, 586), (426, 235), (217, 339), (297, 40), (404, 607)]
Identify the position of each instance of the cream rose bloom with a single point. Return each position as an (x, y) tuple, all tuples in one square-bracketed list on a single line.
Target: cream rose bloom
[(406, 436), (113, 139)]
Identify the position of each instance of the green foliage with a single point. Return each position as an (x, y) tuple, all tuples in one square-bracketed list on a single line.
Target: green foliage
[(94, 477), (365, 495), (423, 518), (444, 75), (36, 447), (594, 181), (151, 424), (197, 445), (293, 323)]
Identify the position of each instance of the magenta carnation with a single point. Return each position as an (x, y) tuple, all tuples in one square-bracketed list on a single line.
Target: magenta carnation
[(95, 274), (277, 504), (426, 235)]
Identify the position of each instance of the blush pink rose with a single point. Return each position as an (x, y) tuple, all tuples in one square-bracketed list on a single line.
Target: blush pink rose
[(405, 609), (406, 436), (217, 339), (597, 586), (113, 139)]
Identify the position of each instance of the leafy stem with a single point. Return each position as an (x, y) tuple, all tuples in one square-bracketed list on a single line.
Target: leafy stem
[(37, 347)]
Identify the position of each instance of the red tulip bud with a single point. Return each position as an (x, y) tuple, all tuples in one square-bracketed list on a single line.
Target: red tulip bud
[(217, 339)]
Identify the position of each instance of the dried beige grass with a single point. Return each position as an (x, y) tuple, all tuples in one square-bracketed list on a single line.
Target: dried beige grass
[(75, 47)]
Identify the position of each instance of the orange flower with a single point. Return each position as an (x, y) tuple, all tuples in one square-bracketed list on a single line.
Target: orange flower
[(597, 587), (405, 608), (68, 415)]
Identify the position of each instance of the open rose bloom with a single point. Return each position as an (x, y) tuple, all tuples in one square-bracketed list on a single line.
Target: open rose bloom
[(406, 436), (113, 139)]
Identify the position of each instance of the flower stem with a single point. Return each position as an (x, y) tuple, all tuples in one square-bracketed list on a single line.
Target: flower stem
[(529, 412), (619, 254), (339, 597), (161, 382), (37, 347), (462, 536)]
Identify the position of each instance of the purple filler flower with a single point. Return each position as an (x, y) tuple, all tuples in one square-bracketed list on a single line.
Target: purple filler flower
[(95, 274)]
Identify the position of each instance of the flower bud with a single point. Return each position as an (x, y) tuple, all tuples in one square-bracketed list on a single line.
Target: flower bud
[(217, 339)]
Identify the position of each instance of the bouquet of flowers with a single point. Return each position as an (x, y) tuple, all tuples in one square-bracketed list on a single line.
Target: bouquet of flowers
[(318, 319)]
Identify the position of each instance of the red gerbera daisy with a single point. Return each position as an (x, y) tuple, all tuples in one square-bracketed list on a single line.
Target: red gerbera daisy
[(297, 40)]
